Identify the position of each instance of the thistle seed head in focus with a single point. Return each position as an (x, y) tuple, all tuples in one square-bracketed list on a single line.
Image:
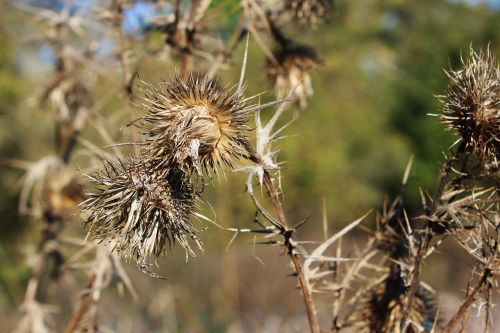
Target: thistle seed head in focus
[(138, 212), (291, 73), (471, 106), (193, 123)]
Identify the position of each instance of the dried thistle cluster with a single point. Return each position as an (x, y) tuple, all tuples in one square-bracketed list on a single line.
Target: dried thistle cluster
[(141, 205), (471, 107)]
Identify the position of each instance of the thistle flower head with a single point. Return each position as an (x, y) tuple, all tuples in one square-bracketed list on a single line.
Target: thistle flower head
[(291, 73), (139, 212), (310, 11), (193, 123), (382, 308), (471, 106)]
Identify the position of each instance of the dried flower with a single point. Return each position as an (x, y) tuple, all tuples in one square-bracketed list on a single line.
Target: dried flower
[(193, 123), (50, 188), (471, 106), (71, 100), (291, 73), (382, 309), (310, 11), (61, 193), (139, 212)]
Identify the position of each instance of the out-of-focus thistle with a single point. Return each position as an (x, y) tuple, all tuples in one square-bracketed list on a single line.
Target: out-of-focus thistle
[(50, 189), (471, 106), (289, 70), (310, 11), (71, 100), (291, 73), (140, 212), (61, 194), (382, 309), (192, 123)]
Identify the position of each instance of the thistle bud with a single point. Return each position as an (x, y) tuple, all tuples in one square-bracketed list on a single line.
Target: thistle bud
[(139, 212), (193, 123), (471, 106), (291, 73)]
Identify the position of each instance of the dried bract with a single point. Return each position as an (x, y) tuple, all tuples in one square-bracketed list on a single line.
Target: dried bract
[(192, 123), (471, 106), (291, 74), (139, 212)]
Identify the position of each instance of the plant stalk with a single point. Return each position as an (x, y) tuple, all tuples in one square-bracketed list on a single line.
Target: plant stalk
[(297, 263)]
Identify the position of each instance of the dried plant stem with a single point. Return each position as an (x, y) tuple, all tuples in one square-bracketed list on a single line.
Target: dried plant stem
[(83, 305), (297, 263), (464, 308), (123, 54), (428, 233)]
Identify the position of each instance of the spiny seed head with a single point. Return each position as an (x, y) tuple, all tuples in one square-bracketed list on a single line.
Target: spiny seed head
[(291, 73), (382, 308), (471, 105), (310, 11), (193, 123), (139, 212), (61, 194)]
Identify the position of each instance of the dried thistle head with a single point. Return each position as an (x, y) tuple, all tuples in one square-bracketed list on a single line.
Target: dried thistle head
[(310, 11), (291, 73), (62, 193), (138, 211), (471, 106), (193, 123), (50, 188), (382, 308)]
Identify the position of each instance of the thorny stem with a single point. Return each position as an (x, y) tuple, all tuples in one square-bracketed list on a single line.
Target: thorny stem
[(123, 54), (297, 263), (468, 302), (428, 233), (85, 300)]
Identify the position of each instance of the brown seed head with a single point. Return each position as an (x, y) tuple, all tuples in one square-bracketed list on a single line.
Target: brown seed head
[(471, 107), (193, 123), (137, 211)]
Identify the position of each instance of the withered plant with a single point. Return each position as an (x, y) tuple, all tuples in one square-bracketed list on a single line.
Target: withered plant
[(136, 204)]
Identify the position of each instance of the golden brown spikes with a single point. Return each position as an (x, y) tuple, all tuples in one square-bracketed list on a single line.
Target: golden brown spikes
[(471, 107), (193, 123)]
